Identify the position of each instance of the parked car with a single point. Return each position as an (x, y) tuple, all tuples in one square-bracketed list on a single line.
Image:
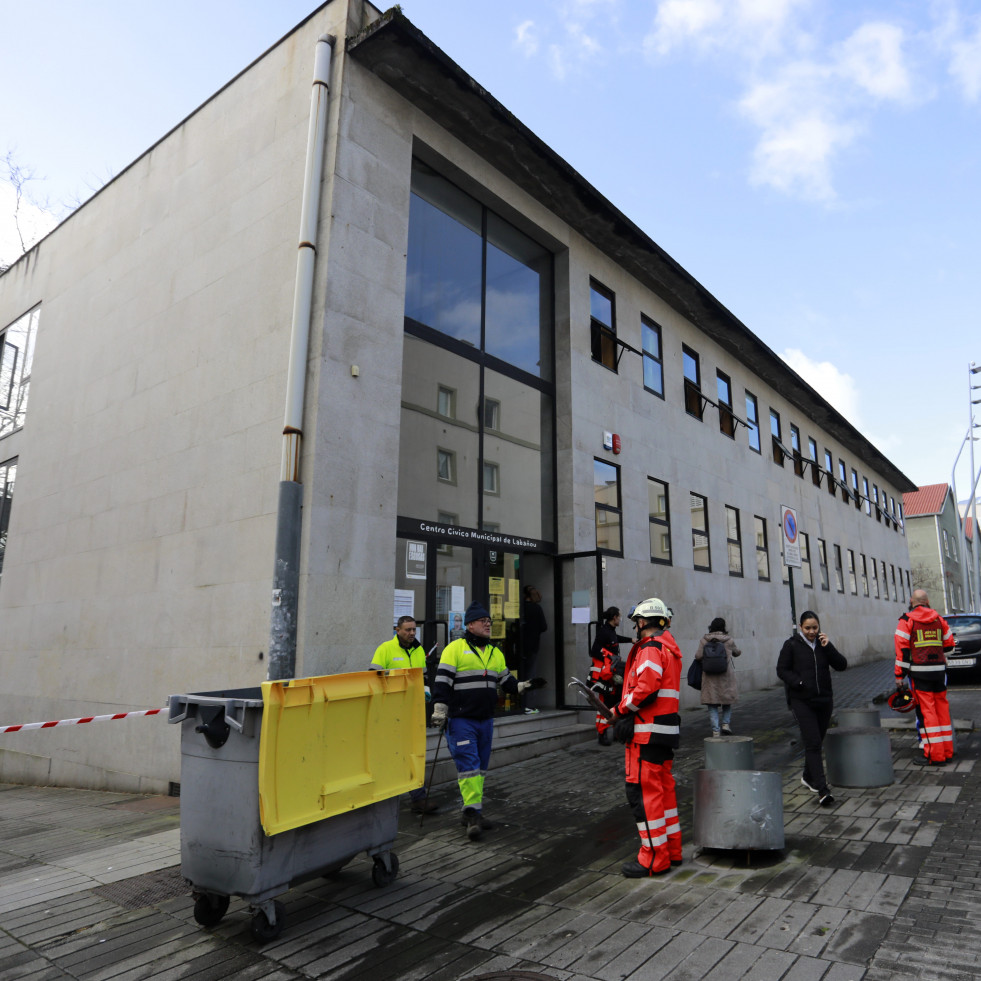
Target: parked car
[(965, 658)]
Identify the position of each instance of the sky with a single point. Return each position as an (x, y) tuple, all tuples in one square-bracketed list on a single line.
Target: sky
[(814, 164)]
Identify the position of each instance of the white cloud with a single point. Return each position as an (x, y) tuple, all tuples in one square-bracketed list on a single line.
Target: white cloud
[(872, 59), (829, 381), (678, 21), (965, 63), (526, 38)]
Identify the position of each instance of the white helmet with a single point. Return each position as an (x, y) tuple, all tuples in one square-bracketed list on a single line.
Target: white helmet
[(650, 609)]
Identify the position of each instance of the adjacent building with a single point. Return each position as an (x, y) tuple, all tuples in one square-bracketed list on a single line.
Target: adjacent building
[(490, 378)]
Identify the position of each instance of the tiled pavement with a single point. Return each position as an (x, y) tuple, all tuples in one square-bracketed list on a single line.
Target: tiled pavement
[(885, 885)]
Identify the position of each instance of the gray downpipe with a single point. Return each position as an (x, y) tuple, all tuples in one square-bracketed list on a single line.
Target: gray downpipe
[(286, 571)]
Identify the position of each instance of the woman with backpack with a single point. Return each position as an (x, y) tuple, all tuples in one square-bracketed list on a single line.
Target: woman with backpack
[(716, 651)]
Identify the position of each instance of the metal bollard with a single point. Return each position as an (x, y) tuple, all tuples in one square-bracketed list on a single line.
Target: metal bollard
[(851, 717), (738, 809), (729, 753), (858, 756)]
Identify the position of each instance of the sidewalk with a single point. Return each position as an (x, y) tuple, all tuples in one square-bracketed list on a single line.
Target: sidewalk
[(884, 885)]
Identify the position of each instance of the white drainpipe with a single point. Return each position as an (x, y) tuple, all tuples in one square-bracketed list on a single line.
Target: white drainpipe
[(286, 573)]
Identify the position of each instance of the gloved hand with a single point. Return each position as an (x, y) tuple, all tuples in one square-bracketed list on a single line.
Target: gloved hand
[(429, 694), (618, 679), (440, 715), (533, 683), (623, 728), (523, 686)]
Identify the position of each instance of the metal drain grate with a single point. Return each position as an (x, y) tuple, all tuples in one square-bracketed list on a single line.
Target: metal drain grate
[(146, 890)]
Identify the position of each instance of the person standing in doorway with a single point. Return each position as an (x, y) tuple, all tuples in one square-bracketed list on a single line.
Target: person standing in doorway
[(716, 650), (464, 698), (804, 666), (606, 670), (922, 640), (404, 651), (532, 628)]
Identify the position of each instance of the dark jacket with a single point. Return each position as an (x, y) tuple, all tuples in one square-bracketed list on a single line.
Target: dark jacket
[(807, 673), (606, 636)]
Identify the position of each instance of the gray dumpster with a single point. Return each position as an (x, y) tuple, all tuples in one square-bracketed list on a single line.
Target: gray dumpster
[(256, 820)]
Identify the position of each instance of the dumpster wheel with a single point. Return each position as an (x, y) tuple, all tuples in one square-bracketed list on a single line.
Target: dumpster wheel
[(262, 929), (209, 908), (383, 873)]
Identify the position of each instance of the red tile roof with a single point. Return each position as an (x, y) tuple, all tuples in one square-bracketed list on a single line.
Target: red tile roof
[(925, 500)]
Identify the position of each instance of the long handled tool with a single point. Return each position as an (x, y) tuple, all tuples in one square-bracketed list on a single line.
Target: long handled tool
[(439, 741), (594, 700)]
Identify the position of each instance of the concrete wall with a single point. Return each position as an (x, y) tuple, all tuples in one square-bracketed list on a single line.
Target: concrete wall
[(143, 519)]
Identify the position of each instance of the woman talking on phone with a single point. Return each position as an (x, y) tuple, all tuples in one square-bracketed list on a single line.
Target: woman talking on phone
[(804, 666)]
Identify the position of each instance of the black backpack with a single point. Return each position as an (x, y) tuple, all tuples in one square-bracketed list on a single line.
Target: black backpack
[(714, 657)]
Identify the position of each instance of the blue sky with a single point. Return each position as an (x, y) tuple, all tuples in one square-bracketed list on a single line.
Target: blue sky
[(813, 163)]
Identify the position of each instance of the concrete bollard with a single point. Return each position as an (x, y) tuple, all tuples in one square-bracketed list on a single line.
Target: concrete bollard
[(738, 809), (851, 717), (729, 753), (858, 756)]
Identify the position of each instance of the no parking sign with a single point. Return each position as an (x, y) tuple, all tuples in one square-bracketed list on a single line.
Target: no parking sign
[(791, 536)]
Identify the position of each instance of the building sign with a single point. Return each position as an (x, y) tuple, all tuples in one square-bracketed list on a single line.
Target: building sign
[(458, 535), (791, 537)]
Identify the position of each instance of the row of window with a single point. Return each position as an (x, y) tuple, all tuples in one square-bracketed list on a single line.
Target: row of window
[(862, 571), (607, 349)]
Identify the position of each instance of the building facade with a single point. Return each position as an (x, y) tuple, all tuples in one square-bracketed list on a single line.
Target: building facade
[(507, 383), (940, 547)]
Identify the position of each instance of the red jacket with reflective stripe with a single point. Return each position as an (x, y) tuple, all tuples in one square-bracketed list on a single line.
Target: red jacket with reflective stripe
[(651, 690), (923, 628)]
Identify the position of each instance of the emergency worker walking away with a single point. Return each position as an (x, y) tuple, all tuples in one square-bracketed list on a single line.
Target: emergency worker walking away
[(716, 650), (404, 651), (649, 724), (921, 640), (464, 698), (606, 670), (804, 666)]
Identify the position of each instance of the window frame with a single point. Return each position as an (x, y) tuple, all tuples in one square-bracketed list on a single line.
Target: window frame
[(603, 337), (694, 401), (805, 561), (727, 417), (762, 551), (812, 449), (829, 469), (823, 565), (656, 524), (608, 508), (839, 569), (646, 324), (450, 394), (700, 531), (795, 449), (450, 455), (734, 545), (753, 422), (776, 436)]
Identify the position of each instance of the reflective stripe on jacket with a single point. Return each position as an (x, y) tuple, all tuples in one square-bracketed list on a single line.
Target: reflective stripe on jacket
[(651, 690), (467, 679), (925, 629)]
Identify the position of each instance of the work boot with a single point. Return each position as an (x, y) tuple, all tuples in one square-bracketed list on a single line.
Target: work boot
[(923, 761), (470, 819), (604, 738), (726, 731), (634, 870), (424, 807)]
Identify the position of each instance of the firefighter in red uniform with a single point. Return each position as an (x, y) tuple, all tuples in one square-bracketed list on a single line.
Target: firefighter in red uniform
[(649, 724), (922, 639)]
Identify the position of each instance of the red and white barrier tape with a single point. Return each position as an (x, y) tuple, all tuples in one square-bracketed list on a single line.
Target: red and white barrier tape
[(78, 722)]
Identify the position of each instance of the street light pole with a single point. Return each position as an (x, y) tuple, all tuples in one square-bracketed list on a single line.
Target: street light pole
[(976, 594)]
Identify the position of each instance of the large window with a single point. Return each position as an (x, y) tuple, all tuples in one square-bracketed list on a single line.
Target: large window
[(734, 542), (865, 576), (650, 339), (8, 473), (865, 494), (606, 500), (16, 358), (875, 580), (659, 519), (476, 432), (839, 578), (795, 449), (842, 480), (693, 383), (753, 420), (701, 556), (603, 325), (723, 388), (829, 469), (858, 497), (762, 552)]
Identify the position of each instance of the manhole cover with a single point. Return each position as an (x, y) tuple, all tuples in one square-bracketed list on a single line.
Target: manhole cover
[(146, 890)]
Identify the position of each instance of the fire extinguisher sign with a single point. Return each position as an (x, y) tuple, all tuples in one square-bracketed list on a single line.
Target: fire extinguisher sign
[(791, 536)]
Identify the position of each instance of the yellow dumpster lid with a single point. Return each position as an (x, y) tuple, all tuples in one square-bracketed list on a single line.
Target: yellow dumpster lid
[(338, 742)]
